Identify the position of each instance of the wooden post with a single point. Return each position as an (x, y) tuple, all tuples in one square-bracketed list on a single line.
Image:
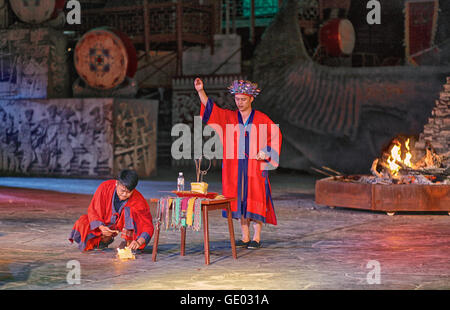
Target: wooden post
[(220, 16), (156, 241), (179, 24), (146, 29), (234, 13), (252, 22), (205, 233), (227, 17), (213, 26), (321, 10), (231, 231), (183, 241)]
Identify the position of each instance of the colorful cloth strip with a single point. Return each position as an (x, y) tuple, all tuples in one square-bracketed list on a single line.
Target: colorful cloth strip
[(197, 214), (190, 212), (179, 212)]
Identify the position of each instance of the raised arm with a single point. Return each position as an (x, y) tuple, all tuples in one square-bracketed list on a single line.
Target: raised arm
[(198, 84)]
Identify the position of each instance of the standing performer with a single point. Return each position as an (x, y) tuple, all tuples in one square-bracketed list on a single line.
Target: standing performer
[(251, 146), (116, 207)]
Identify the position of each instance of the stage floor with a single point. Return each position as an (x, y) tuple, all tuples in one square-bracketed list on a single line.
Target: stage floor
[(312, 247)]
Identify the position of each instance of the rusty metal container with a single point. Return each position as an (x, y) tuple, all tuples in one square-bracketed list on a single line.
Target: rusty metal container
[(378, 197)]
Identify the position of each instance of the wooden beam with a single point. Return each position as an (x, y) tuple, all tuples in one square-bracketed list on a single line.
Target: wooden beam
[(213, 18), (146, 28), (234, 14), (220, 16), (226, 60), (252, 22), (179, 24), (227, 16)]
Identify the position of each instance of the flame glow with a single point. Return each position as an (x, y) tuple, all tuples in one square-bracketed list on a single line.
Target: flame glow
[(408, 155), (395, 160)]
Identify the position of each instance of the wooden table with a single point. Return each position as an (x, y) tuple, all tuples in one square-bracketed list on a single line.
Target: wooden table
[(207, 205)]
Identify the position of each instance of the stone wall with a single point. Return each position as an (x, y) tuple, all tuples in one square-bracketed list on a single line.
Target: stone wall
[(226, 59), (437, 131), (33, 64), (135, 135), (160, 67), (93, 137)]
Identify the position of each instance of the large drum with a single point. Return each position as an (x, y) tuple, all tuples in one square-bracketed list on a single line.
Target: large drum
[(104, 57), (37, 11), (337, 36)]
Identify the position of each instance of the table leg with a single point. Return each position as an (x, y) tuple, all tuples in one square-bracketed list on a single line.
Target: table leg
[(231, 230), (206, 234), (183, 240), (155, 243)]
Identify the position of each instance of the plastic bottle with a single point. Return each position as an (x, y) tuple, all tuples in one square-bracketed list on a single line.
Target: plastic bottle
[(180, 182)]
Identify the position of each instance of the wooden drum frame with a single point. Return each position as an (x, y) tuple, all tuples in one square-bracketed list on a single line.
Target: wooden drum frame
[(37, 12), (337, 36)]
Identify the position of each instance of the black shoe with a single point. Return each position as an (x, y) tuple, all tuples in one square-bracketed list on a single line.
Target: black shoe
[(254, 245), (242, 244)]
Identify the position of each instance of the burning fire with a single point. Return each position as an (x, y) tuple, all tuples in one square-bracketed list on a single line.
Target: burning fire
[(397, 165), (397, 159)]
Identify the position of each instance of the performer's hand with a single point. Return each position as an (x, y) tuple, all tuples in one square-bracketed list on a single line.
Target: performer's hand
[(107, 232), (136, 244), (261, 156), (198, 83)]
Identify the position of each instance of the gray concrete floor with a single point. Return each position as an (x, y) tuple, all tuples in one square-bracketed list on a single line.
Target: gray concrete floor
[(312, 247)]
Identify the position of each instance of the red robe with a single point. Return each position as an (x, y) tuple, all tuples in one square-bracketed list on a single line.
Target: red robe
[(134, 219), (244, 177)]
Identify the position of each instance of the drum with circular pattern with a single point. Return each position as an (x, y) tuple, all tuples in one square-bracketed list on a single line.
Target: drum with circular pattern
[(104, 57)]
